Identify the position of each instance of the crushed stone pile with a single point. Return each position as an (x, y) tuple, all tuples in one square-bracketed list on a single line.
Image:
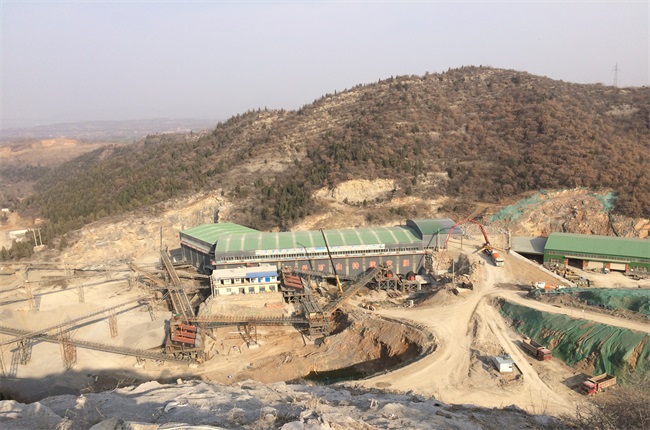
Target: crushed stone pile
[(144, 336), (252, 405)]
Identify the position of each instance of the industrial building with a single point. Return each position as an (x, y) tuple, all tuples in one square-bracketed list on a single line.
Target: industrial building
[(219, 246), (598, 252), (244, 280)]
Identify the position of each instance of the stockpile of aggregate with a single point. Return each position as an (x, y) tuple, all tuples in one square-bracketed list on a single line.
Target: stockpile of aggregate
[(585, 345)]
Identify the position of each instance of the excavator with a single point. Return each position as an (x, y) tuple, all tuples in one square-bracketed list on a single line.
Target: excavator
[(497, 259)]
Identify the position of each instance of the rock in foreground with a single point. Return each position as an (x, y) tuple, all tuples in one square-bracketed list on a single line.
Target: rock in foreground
[(252, 405)]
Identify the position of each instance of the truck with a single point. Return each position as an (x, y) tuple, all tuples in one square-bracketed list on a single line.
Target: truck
[(497, 259), (536, 350), (541, 285), (598, 383)]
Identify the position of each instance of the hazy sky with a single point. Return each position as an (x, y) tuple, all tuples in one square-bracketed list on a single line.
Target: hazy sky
[(88, 60)]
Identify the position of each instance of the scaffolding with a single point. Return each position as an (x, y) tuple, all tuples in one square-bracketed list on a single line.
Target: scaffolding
[(37, 333), (96, 346), (68, 349), (112, 323)]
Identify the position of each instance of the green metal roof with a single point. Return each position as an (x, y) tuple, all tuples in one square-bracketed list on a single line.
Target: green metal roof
[(426, 227), (210, 233), (299, 241), (598, 245)]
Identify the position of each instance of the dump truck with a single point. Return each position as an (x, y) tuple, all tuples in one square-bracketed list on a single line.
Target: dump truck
[(538, 351), (497, 259), (598, 383)]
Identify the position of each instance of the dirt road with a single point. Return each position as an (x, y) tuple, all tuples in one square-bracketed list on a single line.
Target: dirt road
[(468, 329), (518, 298), (446, 373)]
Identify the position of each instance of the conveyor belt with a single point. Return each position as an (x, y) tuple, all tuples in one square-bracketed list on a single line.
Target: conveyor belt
[(96, 346), (31, 334), (229, 319), (361, 282), (180, 302)]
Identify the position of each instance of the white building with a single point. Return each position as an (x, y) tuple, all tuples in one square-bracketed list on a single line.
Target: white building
[(503, 363), (18, 235), (245, 280)]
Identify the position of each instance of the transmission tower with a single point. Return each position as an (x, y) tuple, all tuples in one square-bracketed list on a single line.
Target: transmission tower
[(616, 75)]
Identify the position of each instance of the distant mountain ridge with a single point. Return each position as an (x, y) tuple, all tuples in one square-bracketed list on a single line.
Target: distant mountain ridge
[(108, 131), (474, 134)]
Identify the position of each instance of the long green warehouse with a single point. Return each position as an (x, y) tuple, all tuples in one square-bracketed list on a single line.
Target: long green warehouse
[(226, 245), (598, 252)]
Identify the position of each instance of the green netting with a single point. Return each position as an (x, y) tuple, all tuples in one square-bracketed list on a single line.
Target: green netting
[(633, 300), (514, 211), (608, 200), (617, 351)]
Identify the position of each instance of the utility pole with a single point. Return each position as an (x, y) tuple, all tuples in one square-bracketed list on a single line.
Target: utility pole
[(453, 273), (616, 75)]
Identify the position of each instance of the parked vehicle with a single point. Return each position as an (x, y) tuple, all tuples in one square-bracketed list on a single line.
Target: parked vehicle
[(598, 383), (538, 351)]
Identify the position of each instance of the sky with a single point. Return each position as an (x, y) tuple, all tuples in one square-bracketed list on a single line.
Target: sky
[(74, 61)]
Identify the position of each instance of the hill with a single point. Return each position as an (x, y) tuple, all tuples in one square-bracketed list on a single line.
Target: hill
[(473, 134), (27, 154)]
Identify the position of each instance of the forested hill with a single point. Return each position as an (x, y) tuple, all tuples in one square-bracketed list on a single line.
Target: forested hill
[(474, 133)]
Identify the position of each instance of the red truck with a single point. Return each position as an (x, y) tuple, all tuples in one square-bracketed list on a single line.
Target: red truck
[(536, 350), (598, 383)]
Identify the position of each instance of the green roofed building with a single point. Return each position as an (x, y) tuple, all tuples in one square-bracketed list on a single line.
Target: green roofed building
[(598, 252), (197, 243), (226, 245)]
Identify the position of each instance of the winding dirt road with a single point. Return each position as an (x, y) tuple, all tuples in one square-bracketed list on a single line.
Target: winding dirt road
[(446, 373)]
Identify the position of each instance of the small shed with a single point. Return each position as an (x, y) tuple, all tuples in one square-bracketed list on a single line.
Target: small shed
[(503, 363)]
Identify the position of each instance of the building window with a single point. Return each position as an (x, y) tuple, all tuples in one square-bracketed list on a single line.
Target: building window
[(262, 289), (272, 288), (251, 290)]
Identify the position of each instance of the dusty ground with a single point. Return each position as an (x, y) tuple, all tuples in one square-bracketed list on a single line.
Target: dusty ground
[(466, 328), (364, 344), (463, 331)]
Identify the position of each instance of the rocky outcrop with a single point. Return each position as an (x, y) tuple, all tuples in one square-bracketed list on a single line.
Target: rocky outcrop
[(252, 405)]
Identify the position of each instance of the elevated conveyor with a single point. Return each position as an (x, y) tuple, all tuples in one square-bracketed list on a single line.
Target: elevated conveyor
[(140, 353), (180, 301)]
